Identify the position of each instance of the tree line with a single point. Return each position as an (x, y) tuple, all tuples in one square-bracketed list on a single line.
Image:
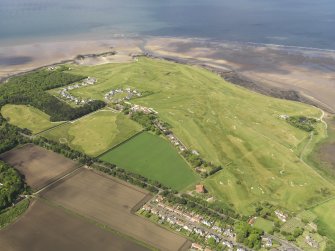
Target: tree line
[(30, 89)]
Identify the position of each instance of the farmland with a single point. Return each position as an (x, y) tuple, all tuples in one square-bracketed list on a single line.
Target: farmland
[(155, 158), (228, 126), (110, 202), (38, 165), (27, 117), (95, 133), (45, 227)]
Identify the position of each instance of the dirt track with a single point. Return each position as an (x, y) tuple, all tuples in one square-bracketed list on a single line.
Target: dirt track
[(47, 228), (39, 166), (110, 202)]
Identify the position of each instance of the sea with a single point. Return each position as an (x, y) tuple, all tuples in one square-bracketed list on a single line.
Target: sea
[(301, 23)]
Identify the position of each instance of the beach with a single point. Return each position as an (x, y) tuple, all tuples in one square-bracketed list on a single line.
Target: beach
[(302, 74)]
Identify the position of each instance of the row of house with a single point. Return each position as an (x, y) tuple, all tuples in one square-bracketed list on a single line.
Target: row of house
[(190, 221), (173, 139), (65, 94), (281, 216), (110, 96), (145, 110)]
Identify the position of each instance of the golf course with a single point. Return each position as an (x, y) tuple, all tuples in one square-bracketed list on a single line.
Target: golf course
[(227, 125)]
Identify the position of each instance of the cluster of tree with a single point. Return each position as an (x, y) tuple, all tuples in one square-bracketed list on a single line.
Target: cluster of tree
[(196, 161), (146, 120), (10, 214), (248, 235), (218, 207), (30, 89), (302, 122), (11, 186), (294, 235), (10, 136)]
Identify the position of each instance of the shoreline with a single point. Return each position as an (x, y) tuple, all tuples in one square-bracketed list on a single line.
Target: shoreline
[(294, 73)]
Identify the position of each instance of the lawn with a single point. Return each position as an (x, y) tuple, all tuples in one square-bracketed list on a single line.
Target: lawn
[(263, 224), (154, 158), (95, 133), (227, 125), (326, 218), (28, 117)]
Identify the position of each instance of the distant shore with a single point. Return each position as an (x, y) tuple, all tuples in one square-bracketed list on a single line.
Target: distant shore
[(300, 74)]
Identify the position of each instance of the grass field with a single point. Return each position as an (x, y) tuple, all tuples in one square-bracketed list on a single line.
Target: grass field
[(326, 217), (228, 125), (27, 117), (95, 133), (154, 158), (263, 224)]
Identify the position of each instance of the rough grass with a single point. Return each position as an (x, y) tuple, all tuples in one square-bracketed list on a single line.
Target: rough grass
[(263, 224), (28, 117), (228, 125), (95, 133), (326, 217), (154, 158)]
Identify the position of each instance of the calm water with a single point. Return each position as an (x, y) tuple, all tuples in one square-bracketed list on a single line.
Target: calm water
[(307, 23)]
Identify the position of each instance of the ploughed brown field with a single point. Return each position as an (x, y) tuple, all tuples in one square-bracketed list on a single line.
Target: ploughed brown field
[(48, 228), (110, 201), (39, 166)]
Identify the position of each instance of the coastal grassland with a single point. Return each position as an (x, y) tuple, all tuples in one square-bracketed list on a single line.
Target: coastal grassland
[(227, 125), (263, 224), (95, 133), (25, 116), (154, 158), (326, 218)]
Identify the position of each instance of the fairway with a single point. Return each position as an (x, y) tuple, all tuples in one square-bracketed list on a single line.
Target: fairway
[(154, 158), (227, 125), (95, 133), (28, 117), (326, 217)]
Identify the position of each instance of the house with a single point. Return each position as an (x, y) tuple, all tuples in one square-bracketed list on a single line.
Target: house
[(196, 246), (200, 188), (266, 242), (281, 216), (228, 244), (311, 242)]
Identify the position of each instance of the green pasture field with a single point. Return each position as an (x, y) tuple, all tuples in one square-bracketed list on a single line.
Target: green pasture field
[(262, 155), (28, 117), (326, 217), (263, 224), (154, 158), (95, 133)]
